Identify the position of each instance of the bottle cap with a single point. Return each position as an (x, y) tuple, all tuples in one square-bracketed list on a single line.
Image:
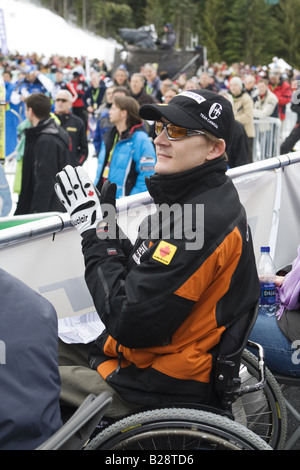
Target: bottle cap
[(265, 249)]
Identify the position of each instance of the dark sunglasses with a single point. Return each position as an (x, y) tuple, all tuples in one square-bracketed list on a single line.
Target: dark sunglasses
[(175, 132), (61, 99)]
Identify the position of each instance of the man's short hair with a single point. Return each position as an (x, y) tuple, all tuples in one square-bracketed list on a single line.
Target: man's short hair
[(65, 94), (121, 89), (40, 105), (138, 75)]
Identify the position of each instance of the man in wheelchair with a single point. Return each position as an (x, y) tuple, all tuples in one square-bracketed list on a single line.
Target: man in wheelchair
[(167, 300)]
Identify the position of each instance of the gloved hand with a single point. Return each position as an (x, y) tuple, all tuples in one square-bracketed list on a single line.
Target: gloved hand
[(108, 193), (80, 198), (108, 207)]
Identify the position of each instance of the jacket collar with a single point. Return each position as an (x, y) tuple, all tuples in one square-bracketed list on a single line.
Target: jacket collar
[(181, 187)]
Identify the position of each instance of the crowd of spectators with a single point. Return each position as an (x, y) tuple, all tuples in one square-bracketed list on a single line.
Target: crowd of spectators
[(255, 93)]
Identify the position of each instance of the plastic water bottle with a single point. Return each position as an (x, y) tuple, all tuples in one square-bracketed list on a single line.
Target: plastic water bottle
[(267, 275)]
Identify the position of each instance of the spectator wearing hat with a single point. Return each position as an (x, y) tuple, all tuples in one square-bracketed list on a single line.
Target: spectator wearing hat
[(243, 110), (167, 42), (33, 82), (59, 84), (74, 126), (167, 300)]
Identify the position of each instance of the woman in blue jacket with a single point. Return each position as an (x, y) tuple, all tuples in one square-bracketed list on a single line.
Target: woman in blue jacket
[(127, 154)]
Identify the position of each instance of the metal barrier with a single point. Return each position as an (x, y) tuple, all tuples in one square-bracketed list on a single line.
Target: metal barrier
[(267, 138)]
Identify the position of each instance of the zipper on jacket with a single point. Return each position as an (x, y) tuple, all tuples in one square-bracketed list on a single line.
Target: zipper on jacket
[(120, 355), (106, 289), (118, 368)]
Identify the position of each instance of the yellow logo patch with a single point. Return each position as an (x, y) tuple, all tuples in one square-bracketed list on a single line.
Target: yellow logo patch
[(164, 252)]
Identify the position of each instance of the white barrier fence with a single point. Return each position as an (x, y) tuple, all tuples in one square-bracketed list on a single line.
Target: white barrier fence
[(266, 142), (270, 133)]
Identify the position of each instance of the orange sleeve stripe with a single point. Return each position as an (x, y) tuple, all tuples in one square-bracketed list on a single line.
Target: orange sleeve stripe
[(107, 367), (222, 262)]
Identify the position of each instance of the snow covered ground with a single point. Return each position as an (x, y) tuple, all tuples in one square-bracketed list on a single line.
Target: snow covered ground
[(30, 28)]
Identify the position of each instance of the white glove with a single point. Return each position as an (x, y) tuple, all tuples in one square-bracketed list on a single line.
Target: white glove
[(80, 198)]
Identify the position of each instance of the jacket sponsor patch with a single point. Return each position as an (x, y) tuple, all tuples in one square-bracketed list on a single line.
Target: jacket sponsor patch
[(111, 251), (164, 252), (148, 159), (139, 252), (147, 163)]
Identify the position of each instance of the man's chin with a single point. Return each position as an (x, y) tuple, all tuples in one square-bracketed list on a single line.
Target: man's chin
[(164, 167)]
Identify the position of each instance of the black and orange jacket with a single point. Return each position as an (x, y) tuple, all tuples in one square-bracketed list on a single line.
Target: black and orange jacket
[(165, 306)]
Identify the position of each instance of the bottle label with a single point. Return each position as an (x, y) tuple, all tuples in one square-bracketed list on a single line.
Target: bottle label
[(267, 293)]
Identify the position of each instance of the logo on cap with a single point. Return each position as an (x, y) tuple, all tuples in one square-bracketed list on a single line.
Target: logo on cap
[(190, 94), (215, 111)]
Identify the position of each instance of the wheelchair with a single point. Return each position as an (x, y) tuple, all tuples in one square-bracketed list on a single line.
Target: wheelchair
[(286, 382), (256, 424)]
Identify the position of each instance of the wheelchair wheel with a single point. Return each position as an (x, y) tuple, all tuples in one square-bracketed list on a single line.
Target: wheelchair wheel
[(264, 411), (176, 429)]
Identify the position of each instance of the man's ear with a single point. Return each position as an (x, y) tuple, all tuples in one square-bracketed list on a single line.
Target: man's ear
[(217, 149)]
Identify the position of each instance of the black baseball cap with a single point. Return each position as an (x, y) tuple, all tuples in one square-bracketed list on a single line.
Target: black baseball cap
[(195, 109)]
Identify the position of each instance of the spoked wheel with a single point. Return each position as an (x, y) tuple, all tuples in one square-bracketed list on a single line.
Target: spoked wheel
[(263, 411), (176, 429)]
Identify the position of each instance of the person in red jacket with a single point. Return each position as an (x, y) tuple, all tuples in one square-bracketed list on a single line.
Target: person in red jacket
[(79, 85), (282, 90)]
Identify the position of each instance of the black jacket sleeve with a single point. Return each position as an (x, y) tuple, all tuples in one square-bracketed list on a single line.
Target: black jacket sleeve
[(138, 307)]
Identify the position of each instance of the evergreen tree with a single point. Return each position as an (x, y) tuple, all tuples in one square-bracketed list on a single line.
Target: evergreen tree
[(252, 34), (214, 28), (252, 31), (287, 17), (181, 13)]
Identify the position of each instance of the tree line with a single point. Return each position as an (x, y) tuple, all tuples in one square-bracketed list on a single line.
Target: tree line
[(250, 31)]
